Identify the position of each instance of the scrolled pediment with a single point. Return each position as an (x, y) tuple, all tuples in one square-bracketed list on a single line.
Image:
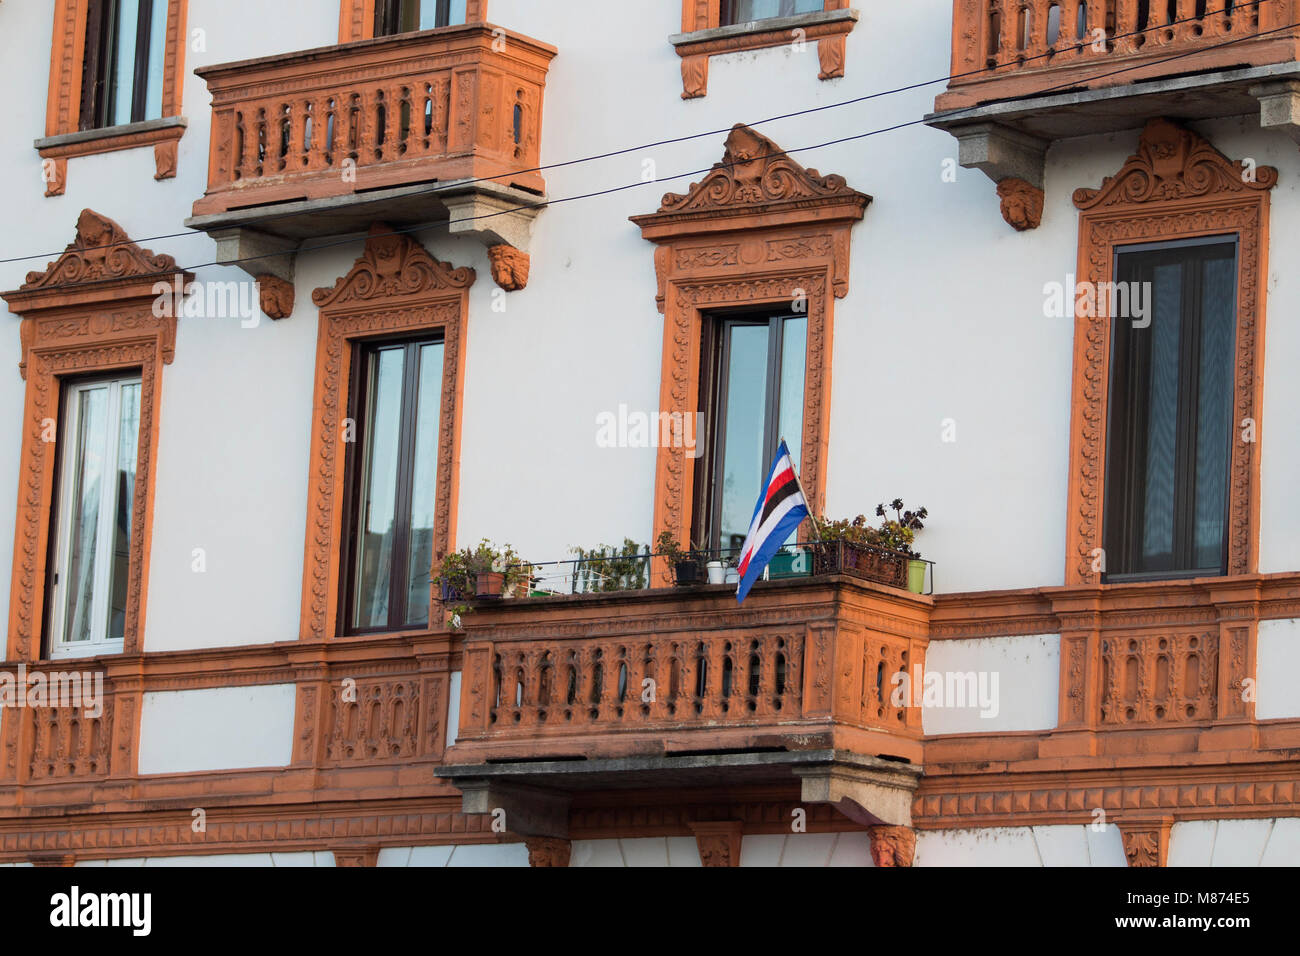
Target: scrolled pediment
[(1172, 163), (393, 265), (101, 251), (753, 171)]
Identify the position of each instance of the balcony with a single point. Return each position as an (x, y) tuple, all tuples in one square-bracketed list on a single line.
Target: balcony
[(681, 687), (1028, 72), (441, 125)]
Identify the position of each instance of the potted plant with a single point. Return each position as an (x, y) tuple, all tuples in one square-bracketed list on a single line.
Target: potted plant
[(898, 533), (685, 565), (483, 572), (609, 568)]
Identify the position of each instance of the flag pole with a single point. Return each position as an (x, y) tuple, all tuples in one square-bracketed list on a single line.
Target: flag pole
[(799, 482)]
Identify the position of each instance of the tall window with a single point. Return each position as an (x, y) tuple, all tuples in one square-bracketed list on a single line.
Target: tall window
[(98, 448), (755, 381), (406, 16), (1170, 432), (743, 11), (122, 77), (393, 482)]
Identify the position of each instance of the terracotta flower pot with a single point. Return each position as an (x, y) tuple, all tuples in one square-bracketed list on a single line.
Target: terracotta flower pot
[(489, 584)]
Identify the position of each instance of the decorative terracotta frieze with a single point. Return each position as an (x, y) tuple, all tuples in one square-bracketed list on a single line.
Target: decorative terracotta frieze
[(395, 286), (1176, 186), (759, 228), (1146, 844), (1002, 49), (93, 309)]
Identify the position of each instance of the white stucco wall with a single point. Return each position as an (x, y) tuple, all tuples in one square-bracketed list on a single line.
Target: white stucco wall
[(1267, 842), (1015, 683), (221, 728), (473, 854), (1074, 845), (1277, 664)]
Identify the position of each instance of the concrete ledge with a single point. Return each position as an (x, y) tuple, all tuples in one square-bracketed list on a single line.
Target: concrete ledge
[(772, 25), (111, 132)]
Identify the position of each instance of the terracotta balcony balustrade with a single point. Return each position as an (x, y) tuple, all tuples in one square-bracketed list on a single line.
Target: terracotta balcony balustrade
[(1026, 73), (683, 687), (443, 124)]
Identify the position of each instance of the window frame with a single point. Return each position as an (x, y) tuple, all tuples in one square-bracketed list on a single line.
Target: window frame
[(53, 641), (1118, 528), (95, 311), (706, 522), (67, 137), (354, 478), (358, 19), (395, 289), (96, 80), (1176, 186)]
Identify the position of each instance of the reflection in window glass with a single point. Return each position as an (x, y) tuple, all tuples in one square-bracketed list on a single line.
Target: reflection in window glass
[(743, 11)]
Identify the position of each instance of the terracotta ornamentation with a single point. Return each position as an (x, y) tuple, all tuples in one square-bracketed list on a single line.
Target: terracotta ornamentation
[(394, 287), (700, 15), (547, 851), (758, 228), (1006, 49), (509, 267), (892, 846), (1022, 204), (275, 296), (1176, 186), (1146, 844), (63, 107), (92, 309), (356, 856), (719, 842)]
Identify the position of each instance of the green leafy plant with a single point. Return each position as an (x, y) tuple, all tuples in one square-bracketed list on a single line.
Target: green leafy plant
[(459, 571), (609, 568), (670, 548), (896, 533)]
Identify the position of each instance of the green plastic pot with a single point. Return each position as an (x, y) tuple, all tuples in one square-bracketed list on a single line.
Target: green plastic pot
[(916, 576)]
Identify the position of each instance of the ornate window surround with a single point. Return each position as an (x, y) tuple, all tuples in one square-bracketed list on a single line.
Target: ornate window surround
[(1176, 186), (62, 136), (753, 231), (394, 287), (91, 310), (357, 18), (702, 37)]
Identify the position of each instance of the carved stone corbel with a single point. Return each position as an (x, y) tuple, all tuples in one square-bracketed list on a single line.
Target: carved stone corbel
[(275, 296), (1146, 843), (509, 267), (719, 841), (1022, 204), (548, 851), (892, 846), (356, 856)]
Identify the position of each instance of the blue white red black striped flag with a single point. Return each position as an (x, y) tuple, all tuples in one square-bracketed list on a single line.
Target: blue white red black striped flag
[(781, 508)]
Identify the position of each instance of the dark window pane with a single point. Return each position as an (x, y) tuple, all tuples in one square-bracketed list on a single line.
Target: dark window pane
[(1161, 414), (128, 443), (1170, 426), (1214, 410)]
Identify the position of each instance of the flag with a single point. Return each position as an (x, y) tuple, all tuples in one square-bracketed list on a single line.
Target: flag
[(781, 508)]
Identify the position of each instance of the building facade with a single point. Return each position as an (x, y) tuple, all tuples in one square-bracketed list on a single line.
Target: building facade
[(347, 286)]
